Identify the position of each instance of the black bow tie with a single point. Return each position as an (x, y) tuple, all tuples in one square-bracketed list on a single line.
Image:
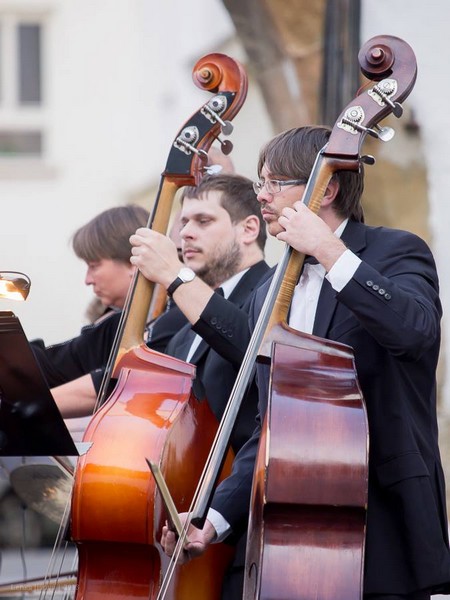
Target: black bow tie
[(310, 260)]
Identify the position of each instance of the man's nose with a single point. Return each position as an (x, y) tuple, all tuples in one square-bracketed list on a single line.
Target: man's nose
[(187, 232), (263, 195), (88, 279)]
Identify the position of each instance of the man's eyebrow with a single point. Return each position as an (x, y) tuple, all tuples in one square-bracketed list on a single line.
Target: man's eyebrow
[(198, 215)]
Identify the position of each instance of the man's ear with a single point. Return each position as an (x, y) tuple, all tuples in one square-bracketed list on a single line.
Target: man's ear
[(330, 192), (251, 227)]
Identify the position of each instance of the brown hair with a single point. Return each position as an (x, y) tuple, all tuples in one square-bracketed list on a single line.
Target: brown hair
[(292, 154), (107, 235), (238, 198)]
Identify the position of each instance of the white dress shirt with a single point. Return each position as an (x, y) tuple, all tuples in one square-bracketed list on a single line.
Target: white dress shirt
[(307, 291)]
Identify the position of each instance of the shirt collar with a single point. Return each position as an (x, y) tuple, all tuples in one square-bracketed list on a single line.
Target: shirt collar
[(340, 230), (229, 285)]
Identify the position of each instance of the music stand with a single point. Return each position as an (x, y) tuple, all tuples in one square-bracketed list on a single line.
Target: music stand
[(30, 422)]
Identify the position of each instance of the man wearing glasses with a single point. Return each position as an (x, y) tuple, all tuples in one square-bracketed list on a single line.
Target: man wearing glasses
[(376, 290)]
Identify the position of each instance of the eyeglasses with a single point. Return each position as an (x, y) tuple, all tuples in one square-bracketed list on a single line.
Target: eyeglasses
[(273, 186)]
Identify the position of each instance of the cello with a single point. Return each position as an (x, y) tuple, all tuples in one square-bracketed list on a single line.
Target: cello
[(309, 496), (116, 511)]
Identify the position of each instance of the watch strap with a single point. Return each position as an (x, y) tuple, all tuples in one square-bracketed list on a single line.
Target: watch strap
[(174, 285)]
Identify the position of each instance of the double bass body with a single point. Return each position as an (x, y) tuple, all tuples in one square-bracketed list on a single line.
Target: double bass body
[(116, 510), (307, 524)]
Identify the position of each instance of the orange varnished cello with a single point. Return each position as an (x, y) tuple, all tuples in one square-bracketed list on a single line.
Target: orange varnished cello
[(308, 507), (117, 514)]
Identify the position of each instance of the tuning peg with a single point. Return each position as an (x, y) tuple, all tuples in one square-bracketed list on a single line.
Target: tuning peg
[(212, 111), (226, 146), (381, 133), (226, 127), (367, 159), (385, 134), (213, 169), (397, 108), (352, 124), (383, 90)]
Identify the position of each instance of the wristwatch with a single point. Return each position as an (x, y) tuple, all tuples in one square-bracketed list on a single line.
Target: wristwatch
[(184, 276)]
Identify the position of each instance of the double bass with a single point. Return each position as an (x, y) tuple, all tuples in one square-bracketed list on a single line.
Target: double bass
[(308, 507), (116, 511), (310, 485)]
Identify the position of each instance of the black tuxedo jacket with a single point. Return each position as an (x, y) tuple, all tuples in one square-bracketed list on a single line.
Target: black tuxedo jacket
[(389, 313), (89, 351), (218, 357)]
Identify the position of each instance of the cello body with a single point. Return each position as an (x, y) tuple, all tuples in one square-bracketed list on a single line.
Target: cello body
[(309, 497), (117, 514)]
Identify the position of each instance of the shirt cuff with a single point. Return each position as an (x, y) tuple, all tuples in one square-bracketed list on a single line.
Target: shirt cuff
[(343, 270), (220, 524)]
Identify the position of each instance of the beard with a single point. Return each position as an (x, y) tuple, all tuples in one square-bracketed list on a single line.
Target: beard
[(221, 266)]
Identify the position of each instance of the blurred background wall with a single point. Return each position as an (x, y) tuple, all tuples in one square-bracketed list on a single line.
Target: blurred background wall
[(92, 94)]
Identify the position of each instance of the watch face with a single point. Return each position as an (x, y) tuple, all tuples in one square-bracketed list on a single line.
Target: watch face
[(186, 274)]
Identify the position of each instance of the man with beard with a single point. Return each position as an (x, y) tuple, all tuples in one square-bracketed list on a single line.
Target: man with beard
[(223, 238)]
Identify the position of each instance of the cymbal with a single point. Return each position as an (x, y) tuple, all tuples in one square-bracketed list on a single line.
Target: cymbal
[(44, 488)]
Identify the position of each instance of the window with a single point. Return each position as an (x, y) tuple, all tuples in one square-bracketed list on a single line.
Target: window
[(29, 63), (21, 87)]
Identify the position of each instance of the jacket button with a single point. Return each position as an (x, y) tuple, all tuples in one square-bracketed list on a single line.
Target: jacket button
[(375, 287), (369, 283), (381, 291), (387, 296), (214, 321)]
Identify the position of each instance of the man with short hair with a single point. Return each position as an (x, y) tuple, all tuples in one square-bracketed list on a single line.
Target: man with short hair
[(374, 289), (223, 238)]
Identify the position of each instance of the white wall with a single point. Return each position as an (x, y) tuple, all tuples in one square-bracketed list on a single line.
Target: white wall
[(118, 87)]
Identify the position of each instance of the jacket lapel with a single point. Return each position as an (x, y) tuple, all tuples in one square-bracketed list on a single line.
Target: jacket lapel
[(248, 283), (182, 349)]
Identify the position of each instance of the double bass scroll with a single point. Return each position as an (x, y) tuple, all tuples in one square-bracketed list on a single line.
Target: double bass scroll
[(186, 163)]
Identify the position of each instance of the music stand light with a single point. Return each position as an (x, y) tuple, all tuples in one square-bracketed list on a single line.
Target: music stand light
[(14, 285)]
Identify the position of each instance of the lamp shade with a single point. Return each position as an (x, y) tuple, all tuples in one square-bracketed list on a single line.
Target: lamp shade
[(14, 285)]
